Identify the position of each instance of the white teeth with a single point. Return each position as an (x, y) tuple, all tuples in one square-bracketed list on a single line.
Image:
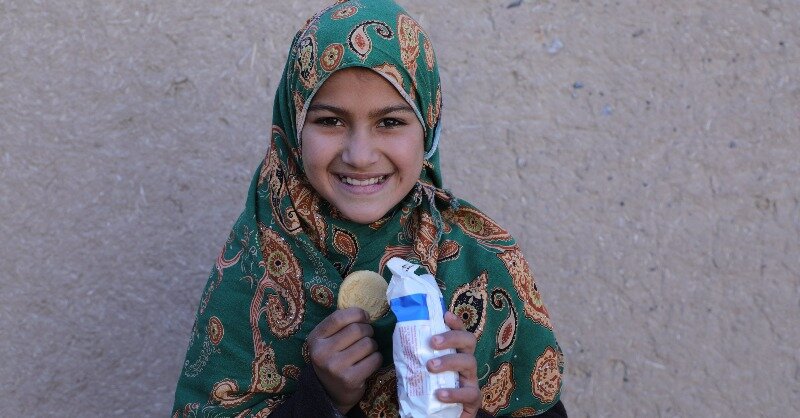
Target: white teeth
[(367, 182)]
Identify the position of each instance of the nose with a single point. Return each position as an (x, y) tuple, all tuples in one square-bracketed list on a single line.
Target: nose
[(359, 149)]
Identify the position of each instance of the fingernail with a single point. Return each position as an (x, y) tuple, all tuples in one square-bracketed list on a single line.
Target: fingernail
[(444, 394), (437, 340), (435, 363)]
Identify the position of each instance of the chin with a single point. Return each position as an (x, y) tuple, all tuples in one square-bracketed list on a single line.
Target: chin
[(360, 217)]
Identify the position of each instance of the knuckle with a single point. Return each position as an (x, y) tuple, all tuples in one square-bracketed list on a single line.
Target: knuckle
[(315, 353), (375, 359), (337, 318), (473, 363), (350, 381)]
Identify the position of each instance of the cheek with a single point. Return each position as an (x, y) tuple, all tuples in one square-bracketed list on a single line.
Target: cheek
[(312, 152)]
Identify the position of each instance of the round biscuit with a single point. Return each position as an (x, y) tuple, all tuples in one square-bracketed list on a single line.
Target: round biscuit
[(366, 290)]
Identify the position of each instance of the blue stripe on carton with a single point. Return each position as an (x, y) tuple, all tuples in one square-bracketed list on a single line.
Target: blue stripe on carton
[(410, 307)]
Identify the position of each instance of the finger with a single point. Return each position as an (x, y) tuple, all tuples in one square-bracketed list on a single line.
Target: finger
[(464, 364), (453, 321), (338, 320), (359, 350), (349, 335), (462, 341), (366, 367), (465, 395)]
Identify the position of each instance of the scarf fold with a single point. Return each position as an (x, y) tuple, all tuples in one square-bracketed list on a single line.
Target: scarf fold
[(279, 272)]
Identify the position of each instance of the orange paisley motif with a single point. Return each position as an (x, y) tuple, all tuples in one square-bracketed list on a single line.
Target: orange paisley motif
[(426, 248), (282, 273), (306, 205), (402, 251), (408, 33), (526, 286), (496, 393), (477, 225), (449, 250), (226, 393), (546, 376), (430, 58)]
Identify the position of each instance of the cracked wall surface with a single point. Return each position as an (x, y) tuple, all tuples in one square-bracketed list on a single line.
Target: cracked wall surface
[(646, 154)]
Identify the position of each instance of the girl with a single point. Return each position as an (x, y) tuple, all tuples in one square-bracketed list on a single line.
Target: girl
[(352, 179)]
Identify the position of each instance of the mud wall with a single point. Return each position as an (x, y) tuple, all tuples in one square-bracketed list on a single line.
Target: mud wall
[(645, 153)]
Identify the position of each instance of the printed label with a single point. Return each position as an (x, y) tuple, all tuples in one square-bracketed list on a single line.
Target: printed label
[(415, 378)]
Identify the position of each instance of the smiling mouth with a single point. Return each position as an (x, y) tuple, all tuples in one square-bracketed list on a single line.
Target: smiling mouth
[(365, 182)]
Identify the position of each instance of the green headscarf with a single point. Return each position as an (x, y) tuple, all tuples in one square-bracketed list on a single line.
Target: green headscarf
[(279, 272)]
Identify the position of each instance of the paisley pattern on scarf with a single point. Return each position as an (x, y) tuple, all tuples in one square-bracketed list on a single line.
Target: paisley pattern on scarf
[(347, 244), (469, 303), (497, 392), (449, 250), (344, 12), (525, 286), (433, 112), (306, 61), (285, 309), (321, 295), (215, 330), (546, 376), (479, 226), (279, 272), (507, 332), (409, 31), (216, 277), (361, 43), (331, 57), (380, 400)]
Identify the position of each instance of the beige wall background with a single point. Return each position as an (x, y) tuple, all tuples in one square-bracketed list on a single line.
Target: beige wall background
[(645, 153)]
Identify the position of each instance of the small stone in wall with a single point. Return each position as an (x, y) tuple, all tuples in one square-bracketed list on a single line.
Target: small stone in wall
[(555, 46)]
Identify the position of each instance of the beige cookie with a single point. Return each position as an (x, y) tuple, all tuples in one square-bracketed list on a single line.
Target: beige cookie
[(366, 290)]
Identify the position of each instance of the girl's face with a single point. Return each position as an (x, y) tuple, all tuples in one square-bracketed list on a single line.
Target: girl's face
[(362, 144)]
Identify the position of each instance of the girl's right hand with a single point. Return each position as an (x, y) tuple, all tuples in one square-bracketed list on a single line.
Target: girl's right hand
[(344, 355)]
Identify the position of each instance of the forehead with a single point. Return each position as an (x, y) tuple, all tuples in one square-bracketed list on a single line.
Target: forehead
[(359, 85)]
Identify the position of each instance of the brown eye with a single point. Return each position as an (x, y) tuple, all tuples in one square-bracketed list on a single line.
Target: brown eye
[(328, 121), (391, 123)]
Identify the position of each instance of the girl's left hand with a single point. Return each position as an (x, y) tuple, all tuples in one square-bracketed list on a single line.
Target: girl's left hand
[(463, 362)]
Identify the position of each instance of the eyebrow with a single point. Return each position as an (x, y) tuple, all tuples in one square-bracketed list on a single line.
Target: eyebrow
[(373, 114)]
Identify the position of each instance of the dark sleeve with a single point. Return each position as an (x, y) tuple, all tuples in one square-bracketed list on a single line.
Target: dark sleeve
[(557, 411), (309, 400)]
